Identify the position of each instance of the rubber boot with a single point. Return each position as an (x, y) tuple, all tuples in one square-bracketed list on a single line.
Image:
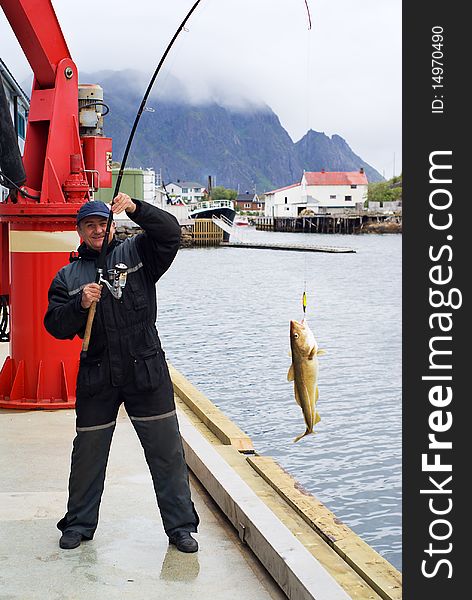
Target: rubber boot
[(87, 477), (160, 439)]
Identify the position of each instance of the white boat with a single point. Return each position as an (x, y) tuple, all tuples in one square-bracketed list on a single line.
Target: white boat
[(242, 221), (208, 208)]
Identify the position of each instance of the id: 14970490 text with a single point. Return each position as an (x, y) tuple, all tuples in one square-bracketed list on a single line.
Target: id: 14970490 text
[(437, 69)]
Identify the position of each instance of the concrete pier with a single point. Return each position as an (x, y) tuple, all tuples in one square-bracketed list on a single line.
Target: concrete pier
[(292, 247), (129, 556), (260, 536)]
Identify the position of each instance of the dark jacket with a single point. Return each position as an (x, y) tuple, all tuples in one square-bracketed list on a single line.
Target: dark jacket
[(124, 330)]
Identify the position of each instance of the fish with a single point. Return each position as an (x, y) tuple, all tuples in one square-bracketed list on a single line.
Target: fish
[(304, 372)]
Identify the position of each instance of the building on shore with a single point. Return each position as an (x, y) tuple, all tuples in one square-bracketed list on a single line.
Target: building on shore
[(318, 192), (249, 202), (144, 184), (189, 192)]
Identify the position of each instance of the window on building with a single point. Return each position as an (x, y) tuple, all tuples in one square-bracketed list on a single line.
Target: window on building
[(184, 190), (247, 205), (353, 187), (286, 200), (21, 127), (348, 198), (332, 197)]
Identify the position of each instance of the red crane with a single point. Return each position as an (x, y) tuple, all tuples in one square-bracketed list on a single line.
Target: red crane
[(63, 163)]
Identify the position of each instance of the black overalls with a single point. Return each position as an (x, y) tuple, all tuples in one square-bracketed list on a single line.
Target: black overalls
[(125, 364)]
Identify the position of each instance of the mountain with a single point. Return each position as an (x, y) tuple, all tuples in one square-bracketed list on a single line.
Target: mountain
[(240, 147), (316, 151)]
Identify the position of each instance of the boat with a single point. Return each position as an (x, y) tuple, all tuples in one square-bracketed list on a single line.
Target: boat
[(242, 221), (214, 208), (209, 208)]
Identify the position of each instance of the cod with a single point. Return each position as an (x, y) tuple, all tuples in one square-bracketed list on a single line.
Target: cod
[(304, 372)]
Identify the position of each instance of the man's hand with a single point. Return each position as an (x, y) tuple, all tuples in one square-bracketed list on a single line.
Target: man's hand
[(123, 202), (90, 293)]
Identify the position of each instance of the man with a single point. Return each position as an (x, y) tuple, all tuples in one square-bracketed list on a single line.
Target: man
[(124, 364)]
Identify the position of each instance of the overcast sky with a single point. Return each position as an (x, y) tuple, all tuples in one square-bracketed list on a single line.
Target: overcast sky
[(343, 76)]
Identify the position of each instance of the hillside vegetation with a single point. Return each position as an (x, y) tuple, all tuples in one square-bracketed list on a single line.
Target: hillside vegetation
[(385, 191)]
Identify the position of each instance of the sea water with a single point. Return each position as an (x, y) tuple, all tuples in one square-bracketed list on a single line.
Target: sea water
[(224, 318)]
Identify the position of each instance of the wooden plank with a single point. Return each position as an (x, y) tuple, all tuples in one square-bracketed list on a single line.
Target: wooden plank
[(206, 233), (299, 574)]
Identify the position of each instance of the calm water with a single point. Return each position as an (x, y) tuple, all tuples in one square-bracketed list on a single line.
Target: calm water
[(224, 322)]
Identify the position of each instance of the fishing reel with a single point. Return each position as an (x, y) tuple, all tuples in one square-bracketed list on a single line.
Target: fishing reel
[(116, 280)]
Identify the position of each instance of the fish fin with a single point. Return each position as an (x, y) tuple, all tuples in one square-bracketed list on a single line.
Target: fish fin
[(289, 353), (312, 353), (291, 373), (297, 397), (317, 394), (320, 352), (317, 418), (299, 437)]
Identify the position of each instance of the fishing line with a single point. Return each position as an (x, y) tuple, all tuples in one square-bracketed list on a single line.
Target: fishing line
[(309, 15), (308, 80), (102, 257), (307, 127), (169, 199), (304, 296), (101, 262)]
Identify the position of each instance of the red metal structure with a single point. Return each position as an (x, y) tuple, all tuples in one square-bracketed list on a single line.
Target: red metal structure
[(37, 233)]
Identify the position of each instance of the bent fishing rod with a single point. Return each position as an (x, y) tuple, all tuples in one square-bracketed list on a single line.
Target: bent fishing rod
[(101, 262)]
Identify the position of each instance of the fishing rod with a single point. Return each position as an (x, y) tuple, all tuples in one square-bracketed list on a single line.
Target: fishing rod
[(101, 263)]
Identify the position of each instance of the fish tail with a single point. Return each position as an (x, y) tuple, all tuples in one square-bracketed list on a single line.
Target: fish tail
[(299, 437)]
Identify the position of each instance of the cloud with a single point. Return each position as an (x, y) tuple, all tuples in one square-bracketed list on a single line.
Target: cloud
[(342, 77)]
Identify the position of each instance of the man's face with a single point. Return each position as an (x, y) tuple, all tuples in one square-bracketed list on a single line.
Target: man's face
[(92, 231)]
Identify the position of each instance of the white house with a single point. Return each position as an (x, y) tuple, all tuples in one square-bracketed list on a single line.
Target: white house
[(171, 204), (189, 192), (280, 202), (318, 192), (174, 190), (19, 108)]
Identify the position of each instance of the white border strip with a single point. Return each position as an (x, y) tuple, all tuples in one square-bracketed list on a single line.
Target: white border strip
[(43, 241), (296, 571)]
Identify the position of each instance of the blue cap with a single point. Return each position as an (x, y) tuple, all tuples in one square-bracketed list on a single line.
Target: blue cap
[(94, 208)]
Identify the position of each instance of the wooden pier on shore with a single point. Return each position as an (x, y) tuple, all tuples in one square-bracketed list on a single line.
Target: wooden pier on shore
[(205, 232), (342, 223)]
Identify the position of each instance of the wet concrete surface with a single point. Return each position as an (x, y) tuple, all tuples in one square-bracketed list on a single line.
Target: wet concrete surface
[(130, 556)]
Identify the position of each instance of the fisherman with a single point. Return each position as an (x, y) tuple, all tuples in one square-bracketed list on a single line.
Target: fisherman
[(124, 364)]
